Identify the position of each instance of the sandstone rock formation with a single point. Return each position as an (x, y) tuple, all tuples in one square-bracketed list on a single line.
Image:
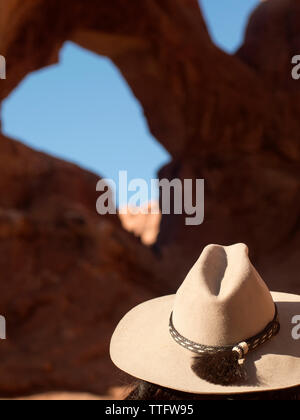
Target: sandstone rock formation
[(115, 394), (68, 275), (61, 397), (143, 222)]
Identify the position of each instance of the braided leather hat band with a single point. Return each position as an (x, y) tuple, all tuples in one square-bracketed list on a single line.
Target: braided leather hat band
[(251, 344)]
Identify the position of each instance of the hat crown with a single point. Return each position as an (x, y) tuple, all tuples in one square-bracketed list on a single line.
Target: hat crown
[(223, 299)]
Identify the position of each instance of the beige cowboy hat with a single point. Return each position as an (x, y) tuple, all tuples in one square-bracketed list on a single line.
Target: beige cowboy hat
[(223, 309)]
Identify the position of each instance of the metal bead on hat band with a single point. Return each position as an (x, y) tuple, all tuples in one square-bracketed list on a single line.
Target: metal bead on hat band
[(245, 347), (238, 351), (242, 349)]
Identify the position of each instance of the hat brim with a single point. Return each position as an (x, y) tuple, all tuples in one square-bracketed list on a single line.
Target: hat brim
[(142, 347)]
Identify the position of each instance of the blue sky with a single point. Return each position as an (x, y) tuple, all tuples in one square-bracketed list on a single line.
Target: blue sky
[(83, 111), (227, 19)]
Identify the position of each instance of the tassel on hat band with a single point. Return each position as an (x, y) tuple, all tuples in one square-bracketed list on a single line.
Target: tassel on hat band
[(222, 365)]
